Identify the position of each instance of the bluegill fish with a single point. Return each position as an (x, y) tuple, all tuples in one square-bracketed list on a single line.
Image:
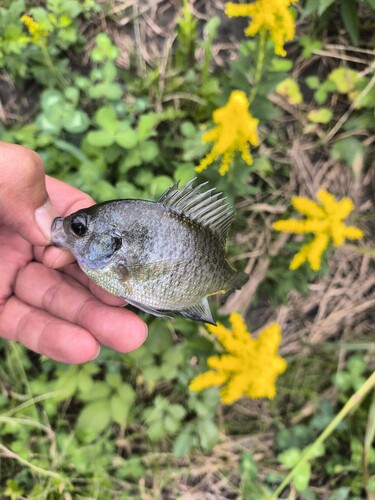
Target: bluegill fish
[(164, 256)]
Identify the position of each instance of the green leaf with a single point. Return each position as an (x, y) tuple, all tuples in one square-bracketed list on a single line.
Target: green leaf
[(146, 125), (316, 450), (171, 424), (50, 98), (183, 443), (323, 6), (126, 393), (262, 165), (312, 82), (349, 13), (104, 49), (302, 477), (321, 115), (84, 381), (178, 411), (113, 379), (356, 365), (350, 150), (289, 89), (208, 433), (106, 118), (44, 123), (127, 190), (109, 71), (309, 45), (280, 65), (95, 416), (320, 96), (290, 457), (344, 79), (126, 137), (114, 91), (119, 410), (99, 390), (143, 178), (111, 91), (104, 191), (132, 159), (152, 374), (76, 122), (72, 94), (188, 129), (149, 151), (159, 185), (100, 138), (156, 431), (184, 173)]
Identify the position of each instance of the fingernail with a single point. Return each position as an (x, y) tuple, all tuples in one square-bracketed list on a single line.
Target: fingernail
[(44, 217), (97, 354), (145, 333)]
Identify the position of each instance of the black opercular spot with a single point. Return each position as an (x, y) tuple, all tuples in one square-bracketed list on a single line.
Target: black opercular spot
[(117, 243)]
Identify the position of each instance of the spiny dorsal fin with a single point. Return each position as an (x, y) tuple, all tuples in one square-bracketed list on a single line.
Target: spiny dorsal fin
[(207, 208)]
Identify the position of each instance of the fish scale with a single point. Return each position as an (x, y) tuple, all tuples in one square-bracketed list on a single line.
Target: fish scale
[(165, 256)]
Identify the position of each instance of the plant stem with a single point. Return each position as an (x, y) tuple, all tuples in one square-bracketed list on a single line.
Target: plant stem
[(7, 453), (259, 66), (350, 405), (51, 66)]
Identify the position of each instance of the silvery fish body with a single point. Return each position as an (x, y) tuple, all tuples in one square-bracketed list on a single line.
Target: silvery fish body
[(164, 256)]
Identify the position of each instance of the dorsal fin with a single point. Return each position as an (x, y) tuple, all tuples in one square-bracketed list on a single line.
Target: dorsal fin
[(207, 208)]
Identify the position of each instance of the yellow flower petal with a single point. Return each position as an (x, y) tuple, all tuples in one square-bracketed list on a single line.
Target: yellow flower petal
[(353, 233), (207, 379), (307, 207), (327, 200), (38, 34), (343, 208), (237, 10), (299, 259), (316, 249), (325, 221), (235, 130), (250, 366), (271, 16)]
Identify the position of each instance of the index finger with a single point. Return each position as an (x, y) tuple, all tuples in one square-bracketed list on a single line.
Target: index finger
[(65, 198)]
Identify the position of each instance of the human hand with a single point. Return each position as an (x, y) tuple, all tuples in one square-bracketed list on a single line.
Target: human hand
[(46, 302)]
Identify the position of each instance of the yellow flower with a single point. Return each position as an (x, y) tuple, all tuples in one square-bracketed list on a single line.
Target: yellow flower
[(37, 33), (251, 366), (273, 16), (325, 220), (235, 128)]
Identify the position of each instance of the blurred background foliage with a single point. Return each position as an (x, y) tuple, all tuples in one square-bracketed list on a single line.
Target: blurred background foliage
[(115, 98)]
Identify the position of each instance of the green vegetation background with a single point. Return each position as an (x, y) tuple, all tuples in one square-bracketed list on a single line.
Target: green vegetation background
[(108, 116)]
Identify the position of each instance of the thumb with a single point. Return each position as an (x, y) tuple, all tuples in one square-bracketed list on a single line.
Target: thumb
[(24, 202)]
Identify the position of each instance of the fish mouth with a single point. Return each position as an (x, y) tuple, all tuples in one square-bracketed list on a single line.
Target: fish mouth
[(58, 237)]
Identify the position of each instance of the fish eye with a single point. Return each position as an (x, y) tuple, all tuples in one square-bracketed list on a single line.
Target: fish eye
[(78, 226)]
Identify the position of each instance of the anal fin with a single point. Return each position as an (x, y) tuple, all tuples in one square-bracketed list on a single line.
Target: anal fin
[(147, 309), (198, 312)]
